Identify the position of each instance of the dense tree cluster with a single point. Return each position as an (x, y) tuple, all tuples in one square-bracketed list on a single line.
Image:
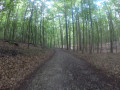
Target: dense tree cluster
[(85, 25)]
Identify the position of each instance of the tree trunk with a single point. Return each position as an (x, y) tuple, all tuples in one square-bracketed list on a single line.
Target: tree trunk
[(66, 24), (73, 29), (61, 32)]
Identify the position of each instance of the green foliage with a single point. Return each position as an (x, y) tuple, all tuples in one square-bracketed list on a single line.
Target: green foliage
[(38, 21)]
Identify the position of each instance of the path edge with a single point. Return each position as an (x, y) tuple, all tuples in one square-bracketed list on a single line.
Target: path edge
[(32, 74), (112, 79)]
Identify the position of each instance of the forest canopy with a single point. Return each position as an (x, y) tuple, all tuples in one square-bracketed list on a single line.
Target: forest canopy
[(86, 25)]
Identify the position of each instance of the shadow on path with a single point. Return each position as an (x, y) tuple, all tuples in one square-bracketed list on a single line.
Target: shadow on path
[(65, 72)]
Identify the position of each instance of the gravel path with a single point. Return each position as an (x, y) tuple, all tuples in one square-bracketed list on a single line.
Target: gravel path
[(65, 72)]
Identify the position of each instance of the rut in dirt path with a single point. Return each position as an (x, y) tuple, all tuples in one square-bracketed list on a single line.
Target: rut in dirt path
[(65, 72)]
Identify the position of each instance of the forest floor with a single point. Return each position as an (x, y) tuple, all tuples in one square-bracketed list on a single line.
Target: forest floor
[(66, 72), (17, 62), (108, 63)]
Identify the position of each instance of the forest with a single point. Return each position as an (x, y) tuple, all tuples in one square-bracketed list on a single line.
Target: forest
[(32, 31), (85, 25)]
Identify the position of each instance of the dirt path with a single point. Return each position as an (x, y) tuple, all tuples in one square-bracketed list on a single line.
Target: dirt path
[(65, 72)]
